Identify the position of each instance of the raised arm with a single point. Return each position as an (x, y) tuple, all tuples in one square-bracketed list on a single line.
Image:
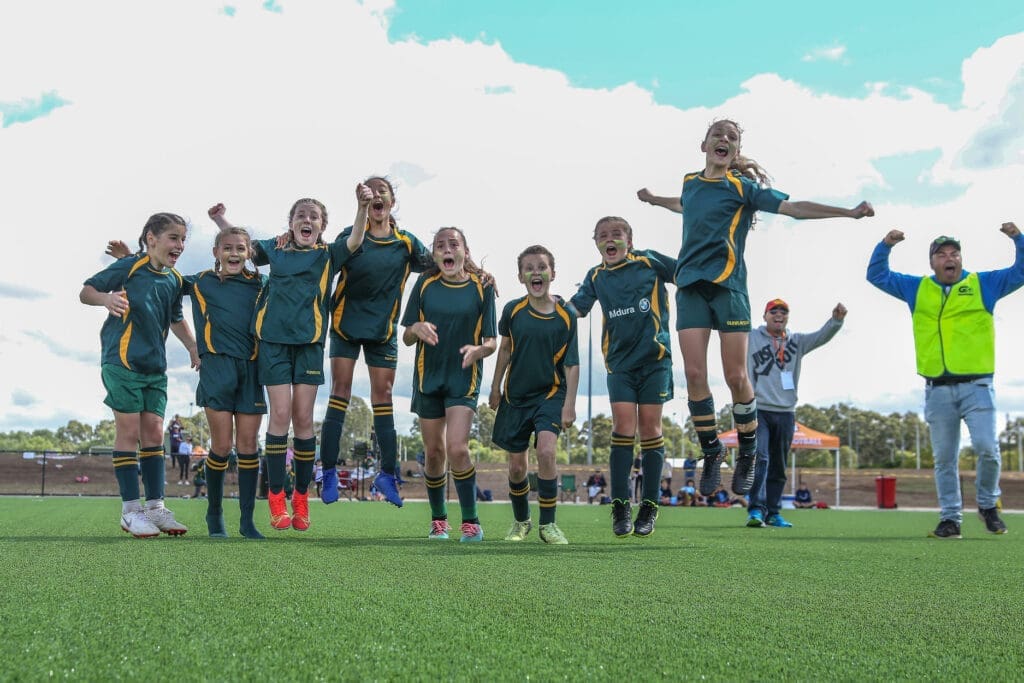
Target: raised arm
[(364, 195), (673, 204), (812, 210), (217, 214), (118, 249)]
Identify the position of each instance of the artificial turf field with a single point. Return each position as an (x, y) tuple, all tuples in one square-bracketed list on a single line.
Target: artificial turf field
[(363, 595)]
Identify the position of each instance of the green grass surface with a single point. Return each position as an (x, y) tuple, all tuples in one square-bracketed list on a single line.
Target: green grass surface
[(844, 595)]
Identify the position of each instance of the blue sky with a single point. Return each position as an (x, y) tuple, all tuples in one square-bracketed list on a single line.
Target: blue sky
[(696, 53), (521, 122)]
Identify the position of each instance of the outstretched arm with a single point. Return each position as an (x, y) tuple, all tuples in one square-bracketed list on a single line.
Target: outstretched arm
[(811, 210), (673, 204)]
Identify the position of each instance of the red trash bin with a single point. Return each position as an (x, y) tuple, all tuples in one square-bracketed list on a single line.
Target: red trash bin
[(885, 492)]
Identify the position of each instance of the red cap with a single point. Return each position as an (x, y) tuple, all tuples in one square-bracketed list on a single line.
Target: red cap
[(776, 303)]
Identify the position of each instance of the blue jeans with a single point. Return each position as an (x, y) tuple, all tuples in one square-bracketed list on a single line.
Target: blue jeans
[(774, 437), (944, 407)]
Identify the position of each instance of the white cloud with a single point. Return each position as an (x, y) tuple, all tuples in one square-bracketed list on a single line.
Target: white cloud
[(834, 53), (176, 107)]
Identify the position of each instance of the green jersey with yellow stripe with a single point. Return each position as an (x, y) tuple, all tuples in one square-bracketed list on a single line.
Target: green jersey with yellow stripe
[(717, 215), (222, 311), (293, 309), (634, 326), (543, 344), (137, 340), (463, 313), (366, 301)]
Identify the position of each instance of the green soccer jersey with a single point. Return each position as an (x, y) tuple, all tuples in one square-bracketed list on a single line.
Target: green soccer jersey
[(137, 340), (717, 215), (293, 309), (632, 293), (464, 314), (222, 311), (543, 344), (368, 296)]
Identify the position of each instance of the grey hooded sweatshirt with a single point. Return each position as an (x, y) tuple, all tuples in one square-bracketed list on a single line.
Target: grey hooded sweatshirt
[(766, 365)]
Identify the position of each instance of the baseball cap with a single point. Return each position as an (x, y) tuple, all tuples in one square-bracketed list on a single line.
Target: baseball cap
[(776, 303), (942, 241)]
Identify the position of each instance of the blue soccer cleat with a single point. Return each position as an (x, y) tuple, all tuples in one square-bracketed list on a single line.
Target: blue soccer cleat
[(329, 485), (388, 487)]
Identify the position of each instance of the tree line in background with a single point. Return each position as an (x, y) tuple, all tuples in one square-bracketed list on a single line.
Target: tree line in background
[(868, 439)]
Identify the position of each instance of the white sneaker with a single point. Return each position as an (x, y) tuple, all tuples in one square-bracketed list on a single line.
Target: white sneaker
[(138, 525), (164, 520)]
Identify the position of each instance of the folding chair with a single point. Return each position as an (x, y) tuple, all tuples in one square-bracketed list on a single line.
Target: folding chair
[(568, 487), (346, 484)]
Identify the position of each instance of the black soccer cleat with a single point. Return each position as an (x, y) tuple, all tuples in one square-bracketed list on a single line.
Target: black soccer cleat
[(711, 472), (622, 518), (645, 519), (743, 475)]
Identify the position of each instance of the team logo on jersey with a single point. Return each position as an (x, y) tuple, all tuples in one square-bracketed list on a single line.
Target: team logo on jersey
[(645, 305), (965, 290)]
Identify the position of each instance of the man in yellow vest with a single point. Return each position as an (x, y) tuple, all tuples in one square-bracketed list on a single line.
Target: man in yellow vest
[(954, 337)]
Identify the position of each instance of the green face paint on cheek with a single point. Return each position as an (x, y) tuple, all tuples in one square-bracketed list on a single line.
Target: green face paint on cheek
[(620, 245), (543, 274)]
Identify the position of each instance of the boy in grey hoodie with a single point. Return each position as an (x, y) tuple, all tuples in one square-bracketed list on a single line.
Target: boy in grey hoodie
[(774, 356)]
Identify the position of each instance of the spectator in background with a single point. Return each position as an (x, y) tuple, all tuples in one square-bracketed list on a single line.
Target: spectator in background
[(184, 455), (174, 430), (665, 494), (596, 485), (199, 477), (802, 498), (666, 472), (688, 495), (721, 499)]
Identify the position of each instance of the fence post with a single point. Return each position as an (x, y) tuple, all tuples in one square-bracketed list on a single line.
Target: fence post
[(42, 487)]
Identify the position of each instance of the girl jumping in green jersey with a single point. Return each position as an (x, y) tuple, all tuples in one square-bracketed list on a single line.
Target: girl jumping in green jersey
[(450, 318), (718, 206), (291, 325), (142, 295), (364, 310)]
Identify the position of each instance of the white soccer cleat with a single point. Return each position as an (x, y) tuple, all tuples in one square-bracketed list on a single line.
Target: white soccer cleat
[(164, 520), (138, 525)]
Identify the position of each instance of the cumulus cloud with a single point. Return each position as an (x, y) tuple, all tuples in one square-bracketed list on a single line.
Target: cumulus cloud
[(262, 107)]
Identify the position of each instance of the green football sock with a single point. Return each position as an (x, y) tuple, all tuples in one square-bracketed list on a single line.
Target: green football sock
[(216, 465), (547, 498), (276, 450), (304, 460), (465, 487), (436, 496), (519, 494), (151, 464), (126, 470)]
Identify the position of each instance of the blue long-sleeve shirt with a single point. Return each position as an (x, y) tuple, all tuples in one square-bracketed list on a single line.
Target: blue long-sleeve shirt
[(995, 284)]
